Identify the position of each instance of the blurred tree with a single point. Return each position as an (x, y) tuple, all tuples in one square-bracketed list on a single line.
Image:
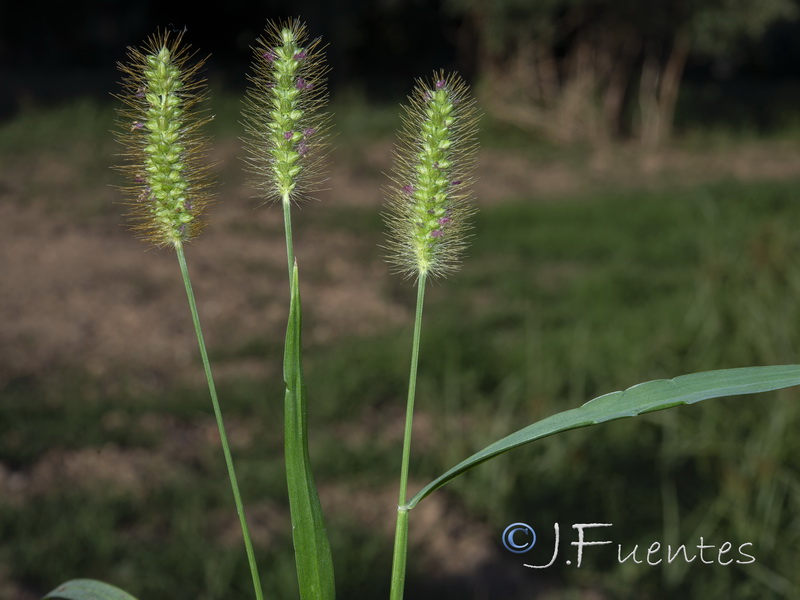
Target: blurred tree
[(575, 69)]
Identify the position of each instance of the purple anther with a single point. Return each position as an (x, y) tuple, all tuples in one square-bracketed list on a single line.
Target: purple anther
[(437, 233), (440, 84), (302, 148), (302, 84), (288, 135), (140, 93), (137, 125), (309, 132), (269, 56), (444, 220), (456, 182), (408, 189), (300, 55)]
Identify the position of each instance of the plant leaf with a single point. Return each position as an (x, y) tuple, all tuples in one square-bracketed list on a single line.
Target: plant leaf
[(639, 399), (311, 548), (87, 589)]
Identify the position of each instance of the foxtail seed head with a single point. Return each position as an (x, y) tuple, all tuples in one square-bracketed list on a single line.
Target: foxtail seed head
[(286, 130), (428, 204), (159, 127)]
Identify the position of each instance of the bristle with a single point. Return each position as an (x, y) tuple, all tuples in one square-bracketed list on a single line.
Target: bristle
[(159, 126), (429, 201)]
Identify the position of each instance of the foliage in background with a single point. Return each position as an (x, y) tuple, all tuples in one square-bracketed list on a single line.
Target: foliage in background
[(587, 70)]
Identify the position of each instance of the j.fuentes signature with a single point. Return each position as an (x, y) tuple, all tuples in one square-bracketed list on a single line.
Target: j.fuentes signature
[(521, 537)]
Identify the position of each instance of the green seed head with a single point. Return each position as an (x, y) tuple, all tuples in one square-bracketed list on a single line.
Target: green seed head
[(286, 130), (159, 127), (428, 205)]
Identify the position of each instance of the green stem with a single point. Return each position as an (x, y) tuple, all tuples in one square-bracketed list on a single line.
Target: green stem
[(287, 223), (401, 532), (400, 552), (220, 425)]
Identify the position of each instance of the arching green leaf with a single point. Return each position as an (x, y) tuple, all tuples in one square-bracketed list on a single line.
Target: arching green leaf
[(639, 399)]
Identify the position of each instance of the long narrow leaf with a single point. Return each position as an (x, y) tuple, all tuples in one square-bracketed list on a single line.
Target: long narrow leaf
[(87, 589), (642, 398), (311, 548)]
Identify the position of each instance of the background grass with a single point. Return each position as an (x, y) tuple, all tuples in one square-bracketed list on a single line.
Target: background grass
[(561, 299)]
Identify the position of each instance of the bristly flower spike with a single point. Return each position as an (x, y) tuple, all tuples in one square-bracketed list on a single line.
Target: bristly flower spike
[(286, 130), (429, 202), (165, 151)]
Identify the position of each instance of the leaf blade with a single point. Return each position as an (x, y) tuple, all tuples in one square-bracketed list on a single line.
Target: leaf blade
[(312, 550), (639, 399), (87, 589)]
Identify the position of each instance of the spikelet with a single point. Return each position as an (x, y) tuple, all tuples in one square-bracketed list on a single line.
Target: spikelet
[(159, 125), (429, 202), (286, 130)]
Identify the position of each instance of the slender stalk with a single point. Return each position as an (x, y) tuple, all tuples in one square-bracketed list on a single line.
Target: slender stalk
[(401, 532), (220, 424), (287, 223), (400, 552)]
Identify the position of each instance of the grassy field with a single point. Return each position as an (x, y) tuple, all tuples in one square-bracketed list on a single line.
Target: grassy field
[(581, 279)]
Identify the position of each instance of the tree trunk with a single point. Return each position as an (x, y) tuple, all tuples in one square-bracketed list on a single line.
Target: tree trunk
[(619, 69), (658, 92), (670, 84)]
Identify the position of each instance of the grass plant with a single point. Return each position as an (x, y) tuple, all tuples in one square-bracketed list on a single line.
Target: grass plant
[(169, 191), (571, 285), (427, 218), (286, 142)]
